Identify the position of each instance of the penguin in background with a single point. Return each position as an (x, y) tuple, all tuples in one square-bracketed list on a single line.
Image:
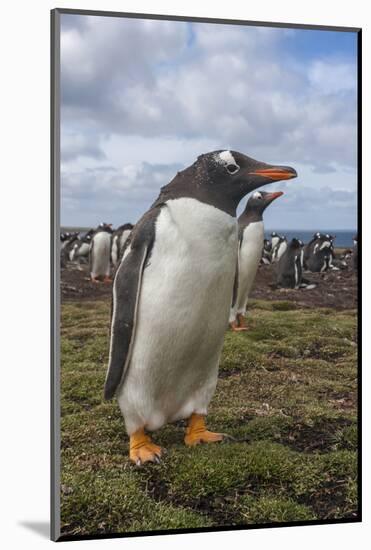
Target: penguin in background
[(279, 249), (318, 241), (100, 253), (68, 245), (175, 278), (251, 243), (119, 238), (64, 239), (320, 254), (81, 249), (267, 252), (355, 252), (289, 268), (274, 239)]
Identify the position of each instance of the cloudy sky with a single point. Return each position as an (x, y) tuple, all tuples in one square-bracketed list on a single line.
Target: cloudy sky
[(142, 99)]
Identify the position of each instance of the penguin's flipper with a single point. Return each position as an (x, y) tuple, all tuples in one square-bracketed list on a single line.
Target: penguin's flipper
[(126, 294)]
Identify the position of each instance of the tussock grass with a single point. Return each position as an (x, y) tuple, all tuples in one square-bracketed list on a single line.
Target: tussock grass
[(287, 394)]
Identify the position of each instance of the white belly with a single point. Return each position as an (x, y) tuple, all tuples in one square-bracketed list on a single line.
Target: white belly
[(281, 250), (182, 316), (101, 254), (248, 262), (114, 252), (83, 250)]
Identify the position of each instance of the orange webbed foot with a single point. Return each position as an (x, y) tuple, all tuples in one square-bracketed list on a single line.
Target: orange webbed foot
[(197, 433), (142, 449)]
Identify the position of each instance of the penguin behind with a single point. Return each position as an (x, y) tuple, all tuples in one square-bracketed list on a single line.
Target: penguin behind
[(267, 252), (100, 253), (175, 278), (319, 254), (274, 239), (82, 248), (279, 247), (119, 238), (251, 242), (289, 269)]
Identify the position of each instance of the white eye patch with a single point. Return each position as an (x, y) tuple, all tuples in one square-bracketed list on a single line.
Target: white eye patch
[(227, 159), (256, 195)]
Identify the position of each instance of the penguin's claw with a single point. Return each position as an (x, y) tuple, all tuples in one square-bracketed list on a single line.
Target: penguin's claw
[(142, 449), (95, 280)]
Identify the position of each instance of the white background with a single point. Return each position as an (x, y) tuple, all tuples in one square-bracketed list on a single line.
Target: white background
[(24, 284)]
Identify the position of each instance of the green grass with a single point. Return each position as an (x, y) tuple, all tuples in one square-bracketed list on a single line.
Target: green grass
[(287, 393)]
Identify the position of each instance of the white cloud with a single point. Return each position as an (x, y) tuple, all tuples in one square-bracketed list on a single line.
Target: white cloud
[(143, 97)]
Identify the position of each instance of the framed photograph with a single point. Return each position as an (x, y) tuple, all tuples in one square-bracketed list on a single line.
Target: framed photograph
[(206, 194)]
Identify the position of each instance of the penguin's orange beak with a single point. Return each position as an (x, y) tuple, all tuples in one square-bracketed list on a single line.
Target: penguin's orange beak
[(276, 173)]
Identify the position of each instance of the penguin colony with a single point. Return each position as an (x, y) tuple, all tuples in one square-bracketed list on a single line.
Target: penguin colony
[(162, 371)]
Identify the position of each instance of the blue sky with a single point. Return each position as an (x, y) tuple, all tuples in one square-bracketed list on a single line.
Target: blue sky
[(142, 99)]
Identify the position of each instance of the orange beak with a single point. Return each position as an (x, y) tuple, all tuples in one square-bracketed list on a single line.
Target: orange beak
[(276, 174)]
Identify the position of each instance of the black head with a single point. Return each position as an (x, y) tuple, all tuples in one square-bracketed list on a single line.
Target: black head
[(125, 227), (296, 244), (105, 227), (223, 178)]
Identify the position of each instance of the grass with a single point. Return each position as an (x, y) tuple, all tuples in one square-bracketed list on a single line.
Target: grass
[(287, 393)]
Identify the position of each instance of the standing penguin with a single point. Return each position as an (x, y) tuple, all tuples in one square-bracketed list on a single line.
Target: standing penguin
[(81, 248), (289, 272), (279, 249), (267, 252), (119, 238), (274, 240), (251, 242), (176, 278), (319, 254), (100, 251)]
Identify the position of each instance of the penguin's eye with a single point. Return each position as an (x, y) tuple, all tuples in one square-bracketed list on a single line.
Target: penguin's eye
[(232, 168)]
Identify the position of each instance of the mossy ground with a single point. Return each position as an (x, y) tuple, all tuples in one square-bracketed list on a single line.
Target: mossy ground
[(287, 393)]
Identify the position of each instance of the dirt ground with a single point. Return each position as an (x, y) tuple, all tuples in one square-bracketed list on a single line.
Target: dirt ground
[(335, 289)]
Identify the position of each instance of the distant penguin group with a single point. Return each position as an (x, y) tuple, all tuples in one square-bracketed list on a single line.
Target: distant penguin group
[(290, 267), (319, 253), (96, 248)]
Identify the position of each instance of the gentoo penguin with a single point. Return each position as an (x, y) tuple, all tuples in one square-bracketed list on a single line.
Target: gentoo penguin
[(119, 238), (274, 239), (267, 252), (251, 242), (279, 248), (67, 247), (100, 252), (289, 270), (176, 277), (355, 252), (319, 254), (81, 249)]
